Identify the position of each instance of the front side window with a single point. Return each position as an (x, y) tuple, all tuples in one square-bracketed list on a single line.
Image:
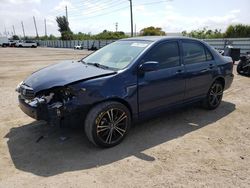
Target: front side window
[(193, 52), (117, 55), (166, 54)]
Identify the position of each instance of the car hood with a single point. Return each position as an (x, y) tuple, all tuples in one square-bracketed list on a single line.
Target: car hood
[(63, 73)]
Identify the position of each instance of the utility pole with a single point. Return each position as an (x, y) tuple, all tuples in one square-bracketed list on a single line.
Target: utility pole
[(23, 29), (35, 27), (14, 31), (116, 26), (66, 9), (5, 31), (135, 30), (131, 17), (45, 27)]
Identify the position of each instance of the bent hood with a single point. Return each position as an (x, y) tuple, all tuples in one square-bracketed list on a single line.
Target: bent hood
[(62, 74)]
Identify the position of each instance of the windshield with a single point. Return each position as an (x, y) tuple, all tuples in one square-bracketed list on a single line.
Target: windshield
[(117, 55)]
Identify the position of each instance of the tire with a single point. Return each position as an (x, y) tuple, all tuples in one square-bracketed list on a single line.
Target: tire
[(239, 67), (107, 124), (242, 68), (214, 96)]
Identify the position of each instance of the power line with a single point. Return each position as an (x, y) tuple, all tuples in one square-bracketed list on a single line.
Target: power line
[(108, 4), (116, 10), (94, 10)]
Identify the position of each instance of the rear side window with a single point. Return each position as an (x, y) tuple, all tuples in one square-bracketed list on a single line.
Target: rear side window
[(167, 54), (193, 53), (209, 55)]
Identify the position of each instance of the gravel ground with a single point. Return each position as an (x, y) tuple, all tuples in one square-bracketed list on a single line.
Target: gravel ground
[(189, 147)]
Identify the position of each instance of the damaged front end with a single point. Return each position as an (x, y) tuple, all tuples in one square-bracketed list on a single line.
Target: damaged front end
[(51, 105)]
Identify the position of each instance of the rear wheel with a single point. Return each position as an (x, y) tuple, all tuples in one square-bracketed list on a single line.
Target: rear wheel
[(107, 124), (214, 96)]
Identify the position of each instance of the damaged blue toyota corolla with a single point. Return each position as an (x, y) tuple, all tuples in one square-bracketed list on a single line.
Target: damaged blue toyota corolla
[(125, 81)]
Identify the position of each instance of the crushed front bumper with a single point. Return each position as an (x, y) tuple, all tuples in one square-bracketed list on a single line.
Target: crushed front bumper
[(39, 112), (70, 112)]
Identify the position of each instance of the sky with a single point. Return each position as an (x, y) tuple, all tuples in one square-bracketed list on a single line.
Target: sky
[(94, 16)]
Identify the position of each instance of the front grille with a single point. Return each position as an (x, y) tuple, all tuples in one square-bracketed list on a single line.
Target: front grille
[(27, 92)]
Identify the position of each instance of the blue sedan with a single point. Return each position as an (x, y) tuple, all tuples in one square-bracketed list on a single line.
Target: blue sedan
[(126, 81)]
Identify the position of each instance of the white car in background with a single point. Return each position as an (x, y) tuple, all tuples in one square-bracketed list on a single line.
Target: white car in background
[(78, 47), (27, 43)]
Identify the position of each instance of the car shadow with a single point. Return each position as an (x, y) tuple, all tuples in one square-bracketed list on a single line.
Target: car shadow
[(51, 155)]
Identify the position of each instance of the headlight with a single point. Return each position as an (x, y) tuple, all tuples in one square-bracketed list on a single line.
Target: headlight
[(18, 87)]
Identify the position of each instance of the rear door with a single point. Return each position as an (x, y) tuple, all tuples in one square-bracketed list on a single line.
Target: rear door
[(200, 68), (165, 86)]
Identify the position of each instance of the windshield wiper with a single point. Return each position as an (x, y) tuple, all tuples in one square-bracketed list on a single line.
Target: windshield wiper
[(99, 65), (81, 60)]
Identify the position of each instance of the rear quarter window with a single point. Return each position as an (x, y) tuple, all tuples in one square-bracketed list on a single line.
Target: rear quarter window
[(209, 55)]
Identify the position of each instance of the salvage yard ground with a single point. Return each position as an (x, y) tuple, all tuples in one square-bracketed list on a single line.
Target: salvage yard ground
[(189, 147)]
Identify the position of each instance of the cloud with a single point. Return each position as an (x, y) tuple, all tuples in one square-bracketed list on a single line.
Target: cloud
[(175, 21), (20, 1), (62, 4), (235, 11)]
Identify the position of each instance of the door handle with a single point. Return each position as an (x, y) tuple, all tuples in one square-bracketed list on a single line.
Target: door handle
[(179, 71), (204, 70), (211, 66)]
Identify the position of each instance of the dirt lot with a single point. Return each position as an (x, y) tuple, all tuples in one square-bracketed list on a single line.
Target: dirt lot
[(189, 147)]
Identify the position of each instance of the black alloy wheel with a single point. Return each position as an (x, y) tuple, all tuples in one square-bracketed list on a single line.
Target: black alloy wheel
[(107, 124), (214, 96)]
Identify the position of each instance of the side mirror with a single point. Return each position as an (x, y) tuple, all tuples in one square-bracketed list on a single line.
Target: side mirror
[(149, 66)]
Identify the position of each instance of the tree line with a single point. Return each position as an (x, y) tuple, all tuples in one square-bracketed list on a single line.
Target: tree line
[(232, 31)]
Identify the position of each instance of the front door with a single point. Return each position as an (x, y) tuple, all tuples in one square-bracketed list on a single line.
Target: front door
[(165, 86)]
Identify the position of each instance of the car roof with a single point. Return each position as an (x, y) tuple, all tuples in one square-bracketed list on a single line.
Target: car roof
[(156, 38)]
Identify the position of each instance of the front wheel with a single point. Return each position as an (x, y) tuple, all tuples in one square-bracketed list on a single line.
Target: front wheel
[(214, 96), (107, 124)]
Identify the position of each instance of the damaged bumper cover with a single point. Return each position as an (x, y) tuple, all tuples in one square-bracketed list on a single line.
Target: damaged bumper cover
[(44, 108), (40, 110)]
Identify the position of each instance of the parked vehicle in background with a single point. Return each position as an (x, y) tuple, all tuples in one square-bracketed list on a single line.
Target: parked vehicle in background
[(27, 43), (243, 67), (3, 41), (232, 52), (128, 80), (10, 43), (78, 47)]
